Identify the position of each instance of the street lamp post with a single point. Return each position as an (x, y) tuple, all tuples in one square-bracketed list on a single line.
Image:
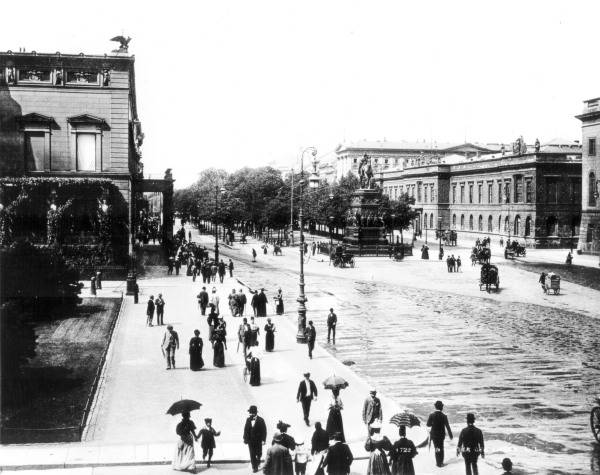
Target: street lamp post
[(440, 230), (331, 218), (300, 336), (217, 190)]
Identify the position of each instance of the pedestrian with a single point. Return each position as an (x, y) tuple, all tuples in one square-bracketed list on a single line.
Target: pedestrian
[(335, 424), (458, 264), (150, 311), (170, 266), (320, 439), (402, 453), (214, 300), (448, 264), (261, 304), (99, 279), (507, 466), (253, 255), (196, 344), (208, 434), (253, 367), (222, 271), (279, 303), (255, 436), (203, 300), (230, 268), (313, 247), (254, 331), (232, 298), (242, 302), (194, 272), (331, 324), (219, 335), (269, 336), (542, 281), (306, 394), (212, 320), (136, 293), (301, 458), (372, 411), (265, 249), (569, 260), (177, 266), (278, 460), (470, 445), (254, 300), (286, 440), (501, 242), (185, 459), (438, 422), (311, 336), (244, 335), (377, 444), (93, 286), (441, 253), (170, 343), (160, 309), (339, 458)]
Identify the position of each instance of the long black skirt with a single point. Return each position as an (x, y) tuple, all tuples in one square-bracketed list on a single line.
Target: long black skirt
[(269, 341), (335, 423), (196, 361), (219, 355)]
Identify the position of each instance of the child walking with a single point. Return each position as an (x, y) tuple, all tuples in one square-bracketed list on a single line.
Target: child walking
[(208, 434)]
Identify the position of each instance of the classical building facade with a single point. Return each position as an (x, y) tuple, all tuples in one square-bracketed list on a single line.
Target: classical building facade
[(589, 236), (533, 196), (72, 117), (399, 155)]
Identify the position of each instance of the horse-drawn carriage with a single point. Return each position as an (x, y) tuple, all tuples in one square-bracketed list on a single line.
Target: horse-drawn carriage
[(340, 258), (481, 255), (277, 249), (514, 249), (489, 277)]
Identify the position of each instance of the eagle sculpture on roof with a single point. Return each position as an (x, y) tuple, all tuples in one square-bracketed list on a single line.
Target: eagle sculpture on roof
[(123, 43)]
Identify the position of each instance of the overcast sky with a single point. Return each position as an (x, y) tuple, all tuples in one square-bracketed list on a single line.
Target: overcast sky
[(236, 83)]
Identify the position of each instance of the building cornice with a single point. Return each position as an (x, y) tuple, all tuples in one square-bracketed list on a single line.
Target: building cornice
[(587, 116)]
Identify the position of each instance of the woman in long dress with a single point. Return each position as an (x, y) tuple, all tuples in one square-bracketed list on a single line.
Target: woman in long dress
[(185, 459), (279, 303), (377, 444), (211, 320), (269, 336), (196, 361), (334, 420), (219, 347), (401, 455), (253, 365)]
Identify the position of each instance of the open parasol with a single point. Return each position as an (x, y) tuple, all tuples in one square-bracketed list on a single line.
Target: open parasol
[(406, 419), (185, 405), (335, 382)]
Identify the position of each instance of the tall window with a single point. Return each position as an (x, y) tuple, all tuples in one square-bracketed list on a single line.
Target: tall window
[(490, 224), (453, 221), (462, 221), (490, 193), (517, 226), (480, 193), (507, 192), (592, 147), (528, 226), (36, 151), (471, 193), (462, 193), (425, 220), (425, 194), (552, 187), (471, 222), (592, 190), (480, 223), (500, 200), (528, 192), (431, 220), (499, 224), (518, 189), (86, 152), (453, 193), (419, 186)]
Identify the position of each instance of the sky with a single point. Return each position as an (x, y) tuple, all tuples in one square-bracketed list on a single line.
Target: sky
[(229, 84)]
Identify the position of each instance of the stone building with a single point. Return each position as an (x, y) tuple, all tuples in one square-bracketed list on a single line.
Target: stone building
[(399, 155), (533, 196), (73, 117), (589, 235)]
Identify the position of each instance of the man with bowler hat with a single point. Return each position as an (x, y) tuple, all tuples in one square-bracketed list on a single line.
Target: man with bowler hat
[(255, 436), (203, 300), (311, 336), (278, 460), (338, 458), (307, 392), (470, 445), (438, 421), (372, 410)]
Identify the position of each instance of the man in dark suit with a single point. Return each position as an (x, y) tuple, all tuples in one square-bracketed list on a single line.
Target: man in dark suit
[(338, 458), (150, 311), (307, 391), (311, 336), (255, 436), (470, 444), (203, 300), (438, 421), (331, 324)]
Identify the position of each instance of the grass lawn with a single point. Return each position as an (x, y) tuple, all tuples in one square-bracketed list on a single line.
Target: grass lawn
[(58, 380)]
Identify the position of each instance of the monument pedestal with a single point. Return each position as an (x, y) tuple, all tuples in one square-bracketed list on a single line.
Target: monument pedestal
[(366, 232)]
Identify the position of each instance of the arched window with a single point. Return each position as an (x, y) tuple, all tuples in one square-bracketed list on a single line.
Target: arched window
[(500, 223), (490, 224), (528, 226), (517, 226), (453, 221), (551, 225), (462, 221), (425, 220), (592, 190), (480, 223), (506, 224), (471, 222), (431, 220)]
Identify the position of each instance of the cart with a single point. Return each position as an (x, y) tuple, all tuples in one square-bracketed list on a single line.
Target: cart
[(489, 277), (552, 284)]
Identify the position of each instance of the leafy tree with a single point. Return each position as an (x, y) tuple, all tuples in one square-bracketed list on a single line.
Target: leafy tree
[(398, 214)]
